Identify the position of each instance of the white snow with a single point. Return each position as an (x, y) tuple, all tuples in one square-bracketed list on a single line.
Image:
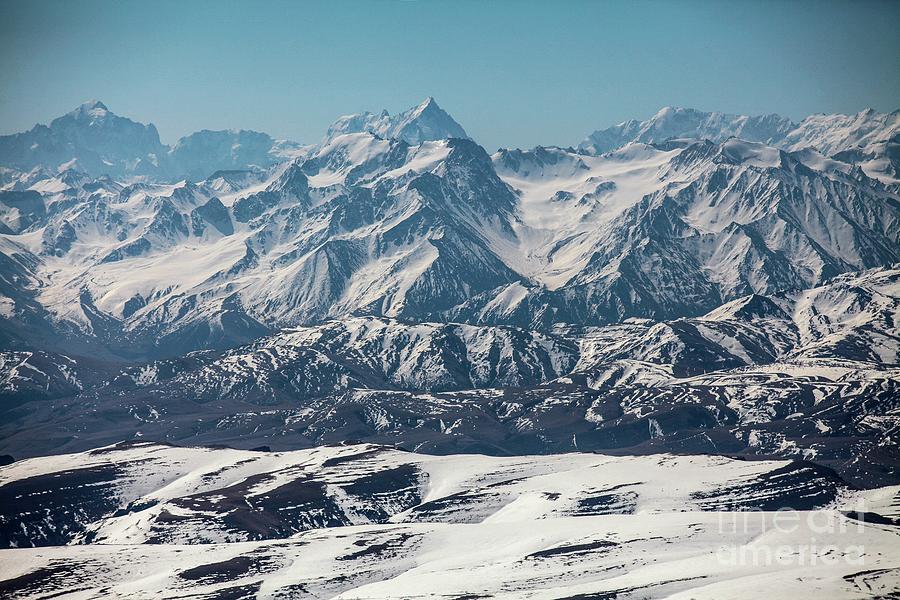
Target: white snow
[(515, 538)]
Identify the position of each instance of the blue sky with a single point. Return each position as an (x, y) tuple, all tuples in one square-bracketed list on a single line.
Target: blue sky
[(512, 73)]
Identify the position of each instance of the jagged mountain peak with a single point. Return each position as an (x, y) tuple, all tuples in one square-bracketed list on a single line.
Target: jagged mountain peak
[(93, 113), (424, 122), (428, 103)]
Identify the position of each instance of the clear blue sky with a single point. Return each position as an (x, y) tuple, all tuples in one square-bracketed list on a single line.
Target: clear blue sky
[(512, 73)]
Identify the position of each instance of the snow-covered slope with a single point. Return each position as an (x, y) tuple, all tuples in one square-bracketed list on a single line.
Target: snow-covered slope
[(365, 521), (676, 230), (152, 493)]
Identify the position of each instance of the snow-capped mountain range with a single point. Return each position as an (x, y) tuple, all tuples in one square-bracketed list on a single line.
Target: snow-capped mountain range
[(397, 254), (714, 299), (367, 223), (804, 374), (93, 140), (867, 138)]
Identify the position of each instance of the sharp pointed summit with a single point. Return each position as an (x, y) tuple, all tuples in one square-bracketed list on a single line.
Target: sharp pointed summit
[(428, 103), (424, 122)]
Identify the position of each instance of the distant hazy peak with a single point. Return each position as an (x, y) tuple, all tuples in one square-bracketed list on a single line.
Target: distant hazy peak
[(676, 122), (94, 139), (830, 134), (424, 122)]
